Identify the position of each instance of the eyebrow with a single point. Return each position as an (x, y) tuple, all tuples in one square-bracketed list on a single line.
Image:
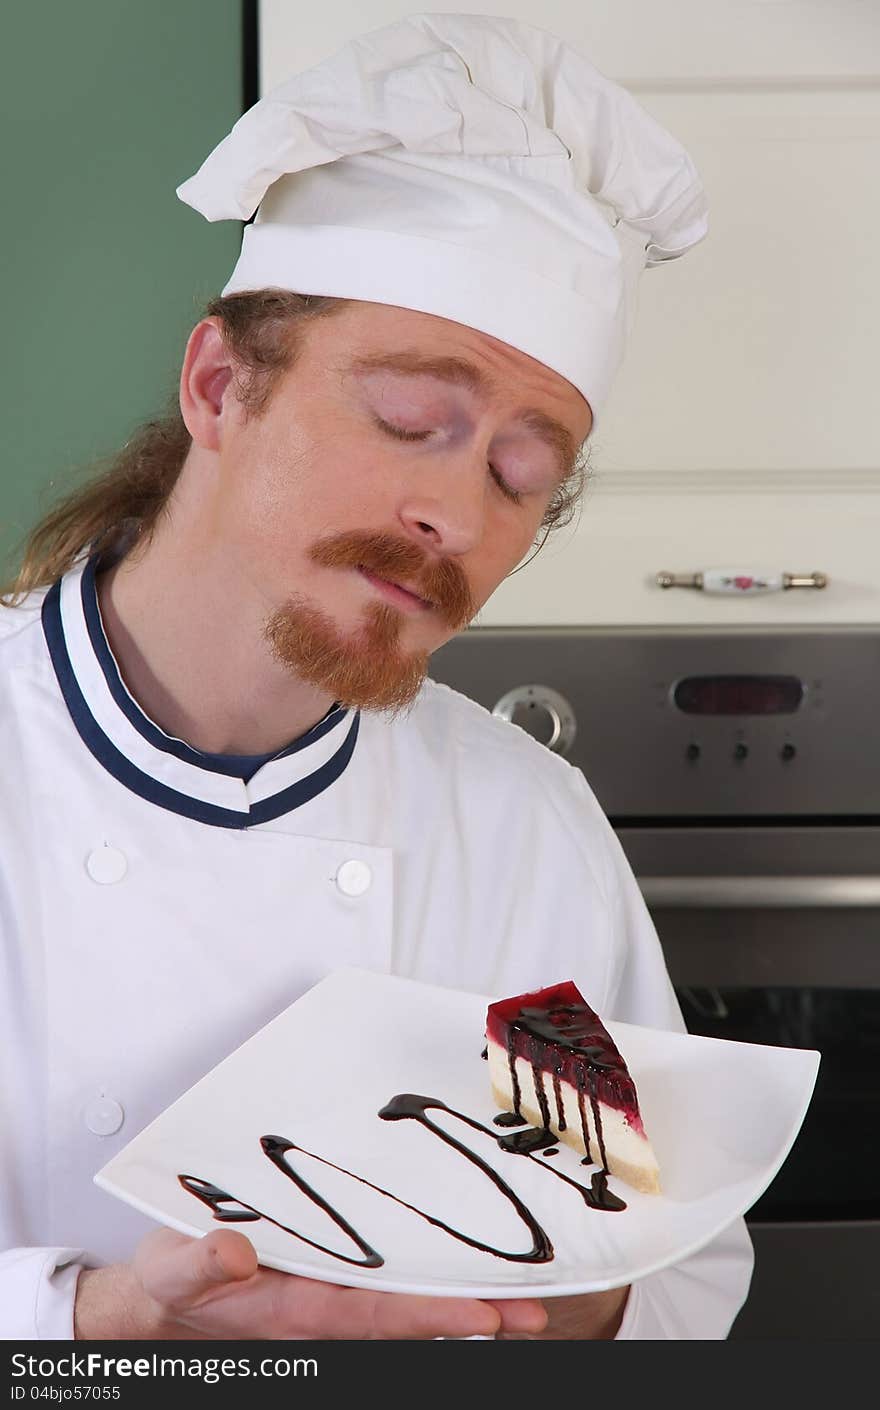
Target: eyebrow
[(457, 371)]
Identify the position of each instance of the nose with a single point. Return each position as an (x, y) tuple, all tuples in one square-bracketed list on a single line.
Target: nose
[(444, 506)]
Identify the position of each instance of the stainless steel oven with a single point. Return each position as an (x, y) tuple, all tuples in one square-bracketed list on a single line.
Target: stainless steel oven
[(741, 772)]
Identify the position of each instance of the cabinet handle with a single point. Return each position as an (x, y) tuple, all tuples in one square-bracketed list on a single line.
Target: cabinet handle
[(730, 892), (741, 582)]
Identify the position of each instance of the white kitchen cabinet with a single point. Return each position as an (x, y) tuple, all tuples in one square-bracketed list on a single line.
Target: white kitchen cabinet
[(743, 429)]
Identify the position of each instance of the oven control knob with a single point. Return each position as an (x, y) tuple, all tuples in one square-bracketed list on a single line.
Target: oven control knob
[(542, 712), (787, 752), (740, 751)]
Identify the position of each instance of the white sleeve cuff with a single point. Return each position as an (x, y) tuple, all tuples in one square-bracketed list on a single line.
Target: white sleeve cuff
[(37, 1293)]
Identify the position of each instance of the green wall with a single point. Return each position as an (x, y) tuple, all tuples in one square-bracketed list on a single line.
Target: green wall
[(106, 106)]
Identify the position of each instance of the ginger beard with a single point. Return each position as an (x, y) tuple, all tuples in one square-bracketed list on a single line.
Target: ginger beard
[(366, 668)]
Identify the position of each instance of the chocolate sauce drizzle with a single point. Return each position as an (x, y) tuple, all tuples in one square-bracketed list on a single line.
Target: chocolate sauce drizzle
[(521, 1143), (598, 1196), (560, 1109), (403, 1107), (524, 1142), (509, 1118), (214, 1197), (408, 1106), (537, 1024)]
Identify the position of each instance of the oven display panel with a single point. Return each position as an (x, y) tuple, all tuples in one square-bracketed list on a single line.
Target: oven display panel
[(739, 695)]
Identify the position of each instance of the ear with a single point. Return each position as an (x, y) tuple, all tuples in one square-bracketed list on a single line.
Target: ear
[(206, 391)]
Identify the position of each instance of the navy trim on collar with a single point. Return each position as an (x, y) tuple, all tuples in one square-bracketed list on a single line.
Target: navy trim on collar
[(133, 778), (214, 764)]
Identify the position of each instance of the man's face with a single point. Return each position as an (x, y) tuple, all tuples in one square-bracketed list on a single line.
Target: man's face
[(401, 470)]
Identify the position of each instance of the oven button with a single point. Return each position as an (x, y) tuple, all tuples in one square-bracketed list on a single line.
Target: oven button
[(787, 752), (542, 712), (740, 751), (692, 751)]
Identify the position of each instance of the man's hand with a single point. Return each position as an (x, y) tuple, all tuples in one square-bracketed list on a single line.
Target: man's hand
[(182, 1289), (590, 1317)]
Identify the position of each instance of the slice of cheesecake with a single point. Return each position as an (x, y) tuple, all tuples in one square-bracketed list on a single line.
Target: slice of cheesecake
[(553, 1062)]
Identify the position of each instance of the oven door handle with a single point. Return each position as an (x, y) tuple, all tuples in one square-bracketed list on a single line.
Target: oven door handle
[(731, 892)]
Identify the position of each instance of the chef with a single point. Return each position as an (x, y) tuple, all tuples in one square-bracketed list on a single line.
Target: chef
[(225, 772)]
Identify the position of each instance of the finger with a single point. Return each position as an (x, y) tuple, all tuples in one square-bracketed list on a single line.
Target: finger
[(178, 1271), (319, 1310), (425, 1317), (522, 1315)]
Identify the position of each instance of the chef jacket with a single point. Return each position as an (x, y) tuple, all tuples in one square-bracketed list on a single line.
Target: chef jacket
[(156, 910)]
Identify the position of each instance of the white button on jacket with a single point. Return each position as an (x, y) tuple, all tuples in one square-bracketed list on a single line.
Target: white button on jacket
[(104, 1116), (353, 878), (106, 865), (215, 909)]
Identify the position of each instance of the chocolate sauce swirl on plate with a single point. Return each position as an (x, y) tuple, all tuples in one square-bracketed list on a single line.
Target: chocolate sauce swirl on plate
[(560, 1042), (228, 1209), (215, 1198), (406, 1106)]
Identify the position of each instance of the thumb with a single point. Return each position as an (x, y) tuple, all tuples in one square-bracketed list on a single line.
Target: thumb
[(178, 1272)]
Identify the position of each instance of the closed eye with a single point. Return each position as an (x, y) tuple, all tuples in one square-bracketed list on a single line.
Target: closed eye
[(401, 434), (504, 487)]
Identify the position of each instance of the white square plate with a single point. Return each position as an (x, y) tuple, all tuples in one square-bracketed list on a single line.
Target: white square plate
[(722, 1118)]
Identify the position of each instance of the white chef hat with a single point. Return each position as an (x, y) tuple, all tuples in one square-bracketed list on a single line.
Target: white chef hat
[(466, 166)]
